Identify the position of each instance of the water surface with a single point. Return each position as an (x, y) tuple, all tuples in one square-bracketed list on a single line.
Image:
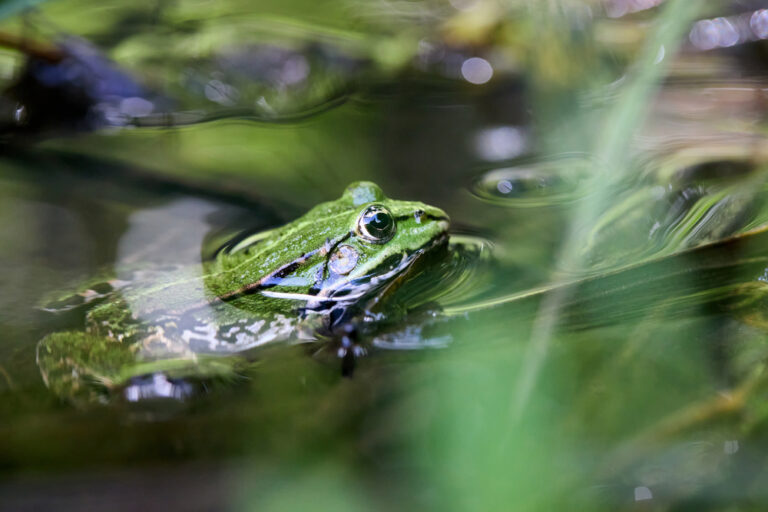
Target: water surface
[(596, 339)]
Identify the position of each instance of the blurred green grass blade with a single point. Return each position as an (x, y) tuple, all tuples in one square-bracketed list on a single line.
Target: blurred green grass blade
[(612, 151)]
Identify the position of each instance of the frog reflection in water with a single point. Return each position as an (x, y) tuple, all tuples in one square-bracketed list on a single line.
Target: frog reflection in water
[(307, 279)]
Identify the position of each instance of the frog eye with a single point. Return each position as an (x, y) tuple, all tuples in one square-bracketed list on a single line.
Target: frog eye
[(376, 224)]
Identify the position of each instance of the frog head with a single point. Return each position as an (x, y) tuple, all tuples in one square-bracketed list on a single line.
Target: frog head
[(339, 253)]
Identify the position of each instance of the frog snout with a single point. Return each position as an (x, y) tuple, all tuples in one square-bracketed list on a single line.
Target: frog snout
[(432, 214)]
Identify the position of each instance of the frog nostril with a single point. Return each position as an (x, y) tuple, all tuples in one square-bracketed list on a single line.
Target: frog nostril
[(418, 214)]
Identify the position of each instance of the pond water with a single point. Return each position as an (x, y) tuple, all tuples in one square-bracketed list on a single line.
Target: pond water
[(593, 339)]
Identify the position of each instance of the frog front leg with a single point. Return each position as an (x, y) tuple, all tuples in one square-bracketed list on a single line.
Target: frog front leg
[(349, 349), (333, 343), (82, 368), (85, 369)]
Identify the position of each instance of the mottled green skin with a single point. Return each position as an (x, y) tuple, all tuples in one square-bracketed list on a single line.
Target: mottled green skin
[(317, 230), (273, 286)]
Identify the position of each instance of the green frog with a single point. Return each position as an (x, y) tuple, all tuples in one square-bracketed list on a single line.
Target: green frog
[(309, 280)]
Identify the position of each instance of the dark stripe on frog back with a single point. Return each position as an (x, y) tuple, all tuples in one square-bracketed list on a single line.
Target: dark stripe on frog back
[(280, 273), (268, 281), (272, 279)]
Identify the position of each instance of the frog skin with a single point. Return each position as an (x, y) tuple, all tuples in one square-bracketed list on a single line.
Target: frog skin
[(305, 280)]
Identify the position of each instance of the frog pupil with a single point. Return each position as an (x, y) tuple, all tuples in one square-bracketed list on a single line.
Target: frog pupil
[(380, 221), (378, 224)]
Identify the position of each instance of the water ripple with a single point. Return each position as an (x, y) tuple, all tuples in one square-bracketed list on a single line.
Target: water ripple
[(535, 183)]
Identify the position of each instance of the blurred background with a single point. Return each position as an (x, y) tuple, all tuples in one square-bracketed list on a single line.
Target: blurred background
[(604, 163)]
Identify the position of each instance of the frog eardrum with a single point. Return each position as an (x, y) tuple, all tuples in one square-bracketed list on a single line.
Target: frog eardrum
[(343, 260)]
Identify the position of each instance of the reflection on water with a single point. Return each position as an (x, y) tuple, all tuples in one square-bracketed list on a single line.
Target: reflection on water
[(476, 70), (619, 8), (172, 234), (156, 386), (72, 87), (659, 220), (535, 183), (724, 32), (643, 493), (501, 143)]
